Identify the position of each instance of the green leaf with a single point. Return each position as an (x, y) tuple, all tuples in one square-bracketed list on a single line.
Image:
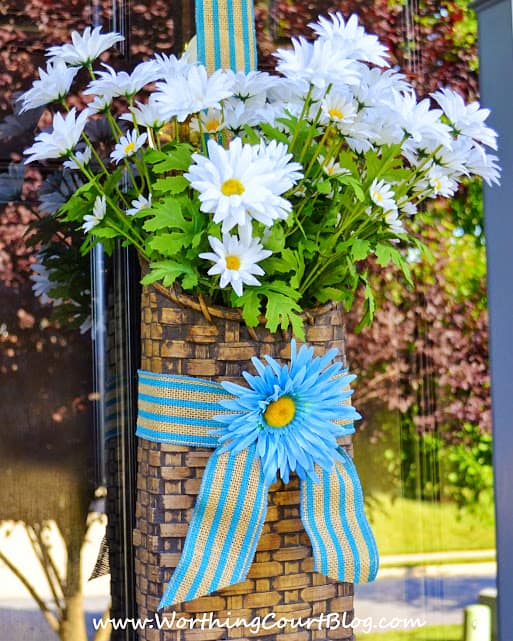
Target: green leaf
[(274, 133), (327, 294), (168, 244), (276, 240), (166, 214), (105, 232), (282, 311), (167, 271), (172, 184), (360, 249), (384, 254), (251, 303), (324, 187), (177, 158)]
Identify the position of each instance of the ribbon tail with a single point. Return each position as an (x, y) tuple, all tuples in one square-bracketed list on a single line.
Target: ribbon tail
[(225, 527), (333, 514)]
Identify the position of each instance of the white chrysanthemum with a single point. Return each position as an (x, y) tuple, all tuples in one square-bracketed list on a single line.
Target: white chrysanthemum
[(182, 96), (339, 109), (210, 122), (112, 83), (242, 182), (466, 119), (53, 84), (284, 173), (61, 141), (484, 165), (351, 38), (85, 47), (99, 211), (145, 115), (82, 157), (319, 63), (422, 123), (382, 195), (138, 204), (128, 145), (376, 86), (235, 260), (169, 66)]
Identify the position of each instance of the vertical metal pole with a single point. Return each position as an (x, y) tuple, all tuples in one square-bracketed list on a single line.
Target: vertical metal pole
[(99, 331), (496, 80)]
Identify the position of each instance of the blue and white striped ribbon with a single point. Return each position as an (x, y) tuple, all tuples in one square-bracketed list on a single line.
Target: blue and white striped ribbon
[(232, 502)]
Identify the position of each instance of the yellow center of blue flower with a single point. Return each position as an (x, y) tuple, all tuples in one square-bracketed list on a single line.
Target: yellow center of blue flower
[(232, 187), (129, 148), (281, 412)]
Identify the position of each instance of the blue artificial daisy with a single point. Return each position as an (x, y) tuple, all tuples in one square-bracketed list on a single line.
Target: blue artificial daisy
[(291, 412)]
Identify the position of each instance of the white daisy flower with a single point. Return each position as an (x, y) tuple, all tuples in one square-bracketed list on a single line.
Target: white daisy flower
[(128, 145), (382, 195), (138, 204), (53, 84), (236, 260), (242, 182), (99, 210), (332, 167), (440, 182), (99, 105), (182, 96), (320, 63), (351, 38), (62, 140), (406, 206), (42, 283), (211, 122), (85, 47), (338, 109), (145, 115), (466, 119), (83, 157), (393, 221)]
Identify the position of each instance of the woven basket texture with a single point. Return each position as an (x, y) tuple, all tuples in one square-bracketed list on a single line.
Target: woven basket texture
[(180, 340)]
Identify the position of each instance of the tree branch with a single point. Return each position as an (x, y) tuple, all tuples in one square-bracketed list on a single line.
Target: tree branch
[(50, 617)]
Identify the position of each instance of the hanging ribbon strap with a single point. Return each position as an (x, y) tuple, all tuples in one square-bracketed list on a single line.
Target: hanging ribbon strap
[(225, 32), (231, 506)]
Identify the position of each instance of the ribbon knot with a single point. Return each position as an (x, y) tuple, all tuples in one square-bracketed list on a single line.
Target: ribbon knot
[(230, 510)]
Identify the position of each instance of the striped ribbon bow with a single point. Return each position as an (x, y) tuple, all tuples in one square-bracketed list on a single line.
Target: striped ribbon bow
[(232, 502)]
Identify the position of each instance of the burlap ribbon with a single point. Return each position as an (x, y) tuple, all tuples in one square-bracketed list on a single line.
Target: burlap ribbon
[(225, 34), (231, 506)]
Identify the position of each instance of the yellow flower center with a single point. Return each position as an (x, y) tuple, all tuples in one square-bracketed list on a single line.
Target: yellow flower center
[(129, 148), (212, 125), (377, 196), (232, 262), (335, 113), (232, 187), (280, 413), (438, 184)]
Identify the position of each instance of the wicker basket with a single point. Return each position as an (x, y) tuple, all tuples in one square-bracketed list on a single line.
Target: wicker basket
[(214, 343)]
